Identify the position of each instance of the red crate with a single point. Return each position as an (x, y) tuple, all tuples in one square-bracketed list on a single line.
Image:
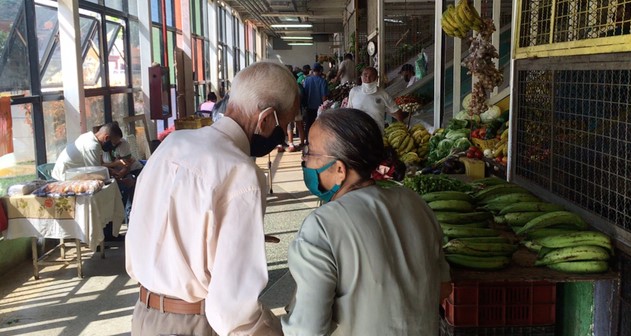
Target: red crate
[(489, 304)]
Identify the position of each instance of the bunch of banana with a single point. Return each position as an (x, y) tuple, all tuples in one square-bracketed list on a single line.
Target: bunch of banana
[(421, 136), (501, 147), (411, 145), (458, 20)]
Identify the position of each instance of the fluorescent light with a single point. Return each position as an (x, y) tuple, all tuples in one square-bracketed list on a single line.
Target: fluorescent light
[(296, 37), (290, 25), (300, 43)]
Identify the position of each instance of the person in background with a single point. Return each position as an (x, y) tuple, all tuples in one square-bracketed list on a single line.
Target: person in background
[(372, 99), (125, 169), (622, 20), (407, 72), (196, 242), (346, 72), (208, 105), (315, 93), (87, 149), (370, 260), (302, 75)]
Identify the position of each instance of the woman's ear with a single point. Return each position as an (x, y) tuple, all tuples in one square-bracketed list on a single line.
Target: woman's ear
[(341, 171)]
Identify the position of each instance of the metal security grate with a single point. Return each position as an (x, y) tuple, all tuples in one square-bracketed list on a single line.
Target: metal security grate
[(535, 24), (574, 135), (572, 20)]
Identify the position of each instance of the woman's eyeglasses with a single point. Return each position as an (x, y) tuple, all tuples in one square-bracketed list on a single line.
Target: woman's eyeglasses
[(306, 153)]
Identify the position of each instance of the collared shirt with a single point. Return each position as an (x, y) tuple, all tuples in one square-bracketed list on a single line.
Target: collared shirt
[(84, 151), (368, 263), (196, 227), (375, 104)]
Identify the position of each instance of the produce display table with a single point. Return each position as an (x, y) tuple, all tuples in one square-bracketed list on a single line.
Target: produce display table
[(522, 269), (80, 218)]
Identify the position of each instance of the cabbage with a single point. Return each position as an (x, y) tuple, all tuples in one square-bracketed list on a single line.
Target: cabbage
[(462, 144), (457, 134), (492, 113), (445, 146)]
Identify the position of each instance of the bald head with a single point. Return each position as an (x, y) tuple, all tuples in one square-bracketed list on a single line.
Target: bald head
[(262, 85)]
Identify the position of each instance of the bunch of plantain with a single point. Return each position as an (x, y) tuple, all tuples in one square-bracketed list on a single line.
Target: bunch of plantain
[(458, 20), (518, 214), (494, 198), (576, 252), (479, 253), (412, 146)]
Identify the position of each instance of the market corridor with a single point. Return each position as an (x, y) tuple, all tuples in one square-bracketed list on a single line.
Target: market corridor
[(102, 302)]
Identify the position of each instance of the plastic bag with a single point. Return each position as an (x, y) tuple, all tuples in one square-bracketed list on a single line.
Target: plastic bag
[(421, 65)]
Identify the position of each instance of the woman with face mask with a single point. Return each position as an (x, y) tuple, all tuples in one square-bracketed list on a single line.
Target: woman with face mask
[(369, 261), (372, 99)]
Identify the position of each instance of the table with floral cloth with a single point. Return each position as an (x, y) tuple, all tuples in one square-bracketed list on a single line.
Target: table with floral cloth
[(80, 218)]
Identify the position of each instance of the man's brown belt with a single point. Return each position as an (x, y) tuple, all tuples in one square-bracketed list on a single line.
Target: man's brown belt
[(170, 305)]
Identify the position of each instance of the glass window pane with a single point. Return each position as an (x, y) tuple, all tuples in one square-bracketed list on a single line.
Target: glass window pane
[(54, 128), (168, 5), (114, 4), (116, 56), (87, 26), (17, 155), (170, 55), (197, 15), (94, 111), (156, 11), (14, 66), (52, 78), (135, 53), (200, 59), (132, 7), (46, 26), (177, 9), (92, 69), (120, 109), (156, 36)]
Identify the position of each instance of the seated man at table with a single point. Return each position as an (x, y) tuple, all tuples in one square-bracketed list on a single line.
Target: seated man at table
[(87, 149), (125, 169)]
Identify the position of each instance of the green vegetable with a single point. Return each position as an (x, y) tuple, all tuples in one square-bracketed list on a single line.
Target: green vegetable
[(455, 124), (424, 184), (457, 134), (445, 146), (462, 144)]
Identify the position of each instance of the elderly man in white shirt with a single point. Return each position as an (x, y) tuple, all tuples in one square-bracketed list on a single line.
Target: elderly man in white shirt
[(196, 242), (87, 149)]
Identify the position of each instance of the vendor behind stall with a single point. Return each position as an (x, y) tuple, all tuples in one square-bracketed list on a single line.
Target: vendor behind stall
[(87, 149)]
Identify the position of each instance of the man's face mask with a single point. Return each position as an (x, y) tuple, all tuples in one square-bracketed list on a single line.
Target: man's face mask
[(260, 145), (108, 146)]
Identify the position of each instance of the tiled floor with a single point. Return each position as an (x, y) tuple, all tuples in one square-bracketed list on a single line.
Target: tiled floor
[(102, 302)]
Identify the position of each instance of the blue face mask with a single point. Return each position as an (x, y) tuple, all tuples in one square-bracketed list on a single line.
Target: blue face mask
[(311, 177)]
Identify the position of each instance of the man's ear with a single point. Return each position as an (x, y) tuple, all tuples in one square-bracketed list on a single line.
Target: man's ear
[(264, 115)]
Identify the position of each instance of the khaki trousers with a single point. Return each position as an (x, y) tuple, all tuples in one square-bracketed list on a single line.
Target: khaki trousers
[(151, 322)]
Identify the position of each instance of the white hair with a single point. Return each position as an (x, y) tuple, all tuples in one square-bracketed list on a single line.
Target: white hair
[(262, 85)]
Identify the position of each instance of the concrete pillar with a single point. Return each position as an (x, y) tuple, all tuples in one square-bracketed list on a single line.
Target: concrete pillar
[(72, 68)]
